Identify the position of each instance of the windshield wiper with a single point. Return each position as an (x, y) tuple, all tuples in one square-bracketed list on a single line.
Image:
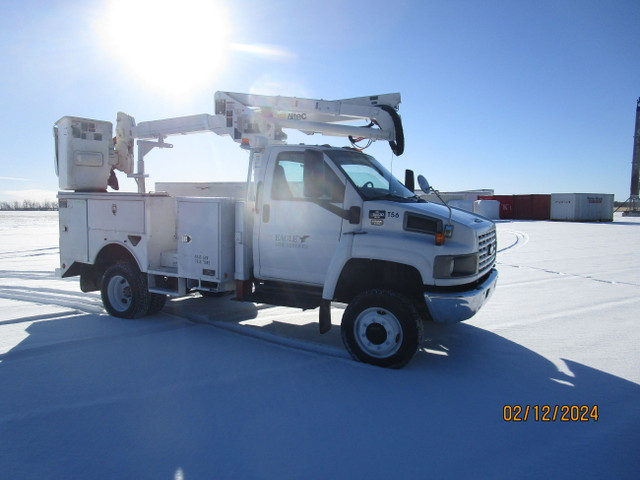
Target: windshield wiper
[(391, 196)]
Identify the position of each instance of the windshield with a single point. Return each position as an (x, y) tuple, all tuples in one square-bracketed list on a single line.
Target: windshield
[(371, 179)]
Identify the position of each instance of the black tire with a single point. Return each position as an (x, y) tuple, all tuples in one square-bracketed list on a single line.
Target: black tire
[(382, 327), (156, 303), (124, 291)]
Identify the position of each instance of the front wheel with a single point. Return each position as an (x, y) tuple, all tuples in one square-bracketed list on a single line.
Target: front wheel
[(124, 291), (382, 327)]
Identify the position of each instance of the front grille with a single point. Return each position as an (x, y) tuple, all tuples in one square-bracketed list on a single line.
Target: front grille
[(487, 249)]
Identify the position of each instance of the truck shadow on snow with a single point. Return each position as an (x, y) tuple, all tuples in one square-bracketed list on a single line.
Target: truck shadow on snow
[(189, 398), (460, 354)]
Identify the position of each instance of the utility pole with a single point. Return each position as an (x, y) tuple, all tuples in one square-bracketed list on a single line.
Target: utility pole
[(633, 203)]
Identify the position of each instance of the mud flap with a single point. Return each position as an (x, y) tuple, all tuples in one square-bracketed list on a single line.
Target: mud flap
[(325, 316)]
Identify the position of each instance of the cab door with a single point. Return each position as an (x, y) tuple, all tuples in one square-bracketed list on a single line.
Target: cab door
[(300, 218)]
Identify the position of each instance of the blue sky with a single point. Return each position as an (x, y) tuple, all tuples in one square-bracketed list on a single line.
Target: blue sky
[(519, 97)]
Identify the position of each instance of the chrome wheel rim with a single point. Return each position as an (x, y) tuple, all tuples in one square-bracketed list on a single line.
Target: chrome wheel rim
[(119, 291), (378, 332)]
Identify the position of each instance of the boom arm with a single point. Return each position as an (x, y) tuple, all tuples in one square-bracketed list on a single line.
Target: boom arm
[(244, 117), (273, 113), (258, 120)]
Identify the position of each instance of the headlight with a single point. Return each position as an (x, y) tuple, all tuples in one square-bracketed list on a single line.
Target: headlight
[(428, 225), (452, 266)]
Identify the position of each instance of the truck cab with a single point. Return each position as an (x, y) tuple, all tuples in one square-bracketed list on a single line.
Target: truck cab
[(333, 223)]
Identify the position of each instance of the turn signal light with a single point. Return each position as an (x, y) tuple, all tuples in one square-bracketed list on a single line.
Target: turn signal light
[(446, 233)]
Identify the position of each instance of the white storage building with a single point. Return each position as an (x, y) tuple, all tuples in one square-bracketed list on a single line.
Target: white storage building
[(582, 207)]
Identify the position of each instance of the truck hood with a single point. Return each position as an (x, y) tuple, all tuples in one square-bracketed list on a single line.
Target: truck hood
[(429, 209)]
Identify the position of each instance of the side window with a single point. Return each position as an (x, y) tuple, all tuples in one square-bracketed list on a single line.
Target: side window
[(287, 183), (289, 180)]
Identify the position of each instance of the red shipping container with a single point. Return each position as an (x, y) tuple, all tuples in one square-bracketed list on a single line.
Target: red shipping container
[(506, 204), (532, 207)]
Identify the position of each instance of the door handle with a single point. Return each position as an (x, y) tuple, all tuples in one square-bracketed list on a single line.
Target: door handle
[(258, 197), (265, 213)]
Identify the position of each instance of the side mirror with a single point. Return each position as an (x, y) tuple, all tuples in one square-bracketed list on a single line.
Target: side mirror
[(424, 184), (353, 215), (313, 175), (409, 180), (426, 188)]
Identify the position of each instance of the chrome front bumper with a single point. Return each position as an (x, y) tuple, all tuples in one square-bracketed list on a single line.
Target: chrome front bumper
[(459, 306)]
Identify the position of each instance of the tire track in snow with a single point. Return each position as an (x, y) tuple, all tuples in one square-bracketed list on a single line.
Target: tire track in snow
[(258, 334), (564, 274), (79, 303), (38, 318), (49, 296), (520, 240), (30, 275), (37, 252)]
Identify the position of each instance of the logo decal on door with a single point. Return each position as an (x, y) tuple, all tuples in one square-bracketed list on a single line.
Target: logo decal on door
[(291, 241), (377, 214)]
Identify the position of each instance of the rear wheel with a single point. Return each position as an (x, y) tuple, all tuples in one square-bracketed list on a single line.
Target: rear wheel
[(156, 303), (124, 291), (382, 327)]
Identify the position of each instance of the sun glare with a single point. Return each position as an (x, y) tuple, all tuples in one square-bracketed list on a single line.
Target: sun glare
[(174, 48)]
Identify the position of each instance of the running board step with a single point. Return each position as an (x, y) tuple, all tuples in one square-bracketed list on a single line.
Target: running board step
[(286, 295)]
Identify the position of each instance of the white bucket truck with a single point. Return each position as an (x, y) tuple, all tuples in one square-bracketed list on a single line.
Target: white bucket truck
[(318, 224)]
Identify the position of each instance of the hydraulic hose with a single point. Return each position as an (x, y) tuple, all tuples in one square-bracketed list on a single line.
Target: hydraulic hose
[(397, 146)]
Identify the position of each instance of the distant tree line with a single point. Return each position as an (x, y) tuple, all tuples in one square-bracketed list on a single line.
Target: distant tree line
[(28, 205)]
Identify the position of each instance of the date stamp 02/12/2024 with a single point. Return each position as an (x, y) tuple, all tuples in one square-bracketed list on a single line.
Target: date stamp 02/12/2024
[(550, 413)]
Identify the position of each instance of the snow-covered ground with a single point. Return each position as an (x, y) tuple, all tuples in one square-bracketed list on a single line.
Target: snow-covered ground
[(210, 388)]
